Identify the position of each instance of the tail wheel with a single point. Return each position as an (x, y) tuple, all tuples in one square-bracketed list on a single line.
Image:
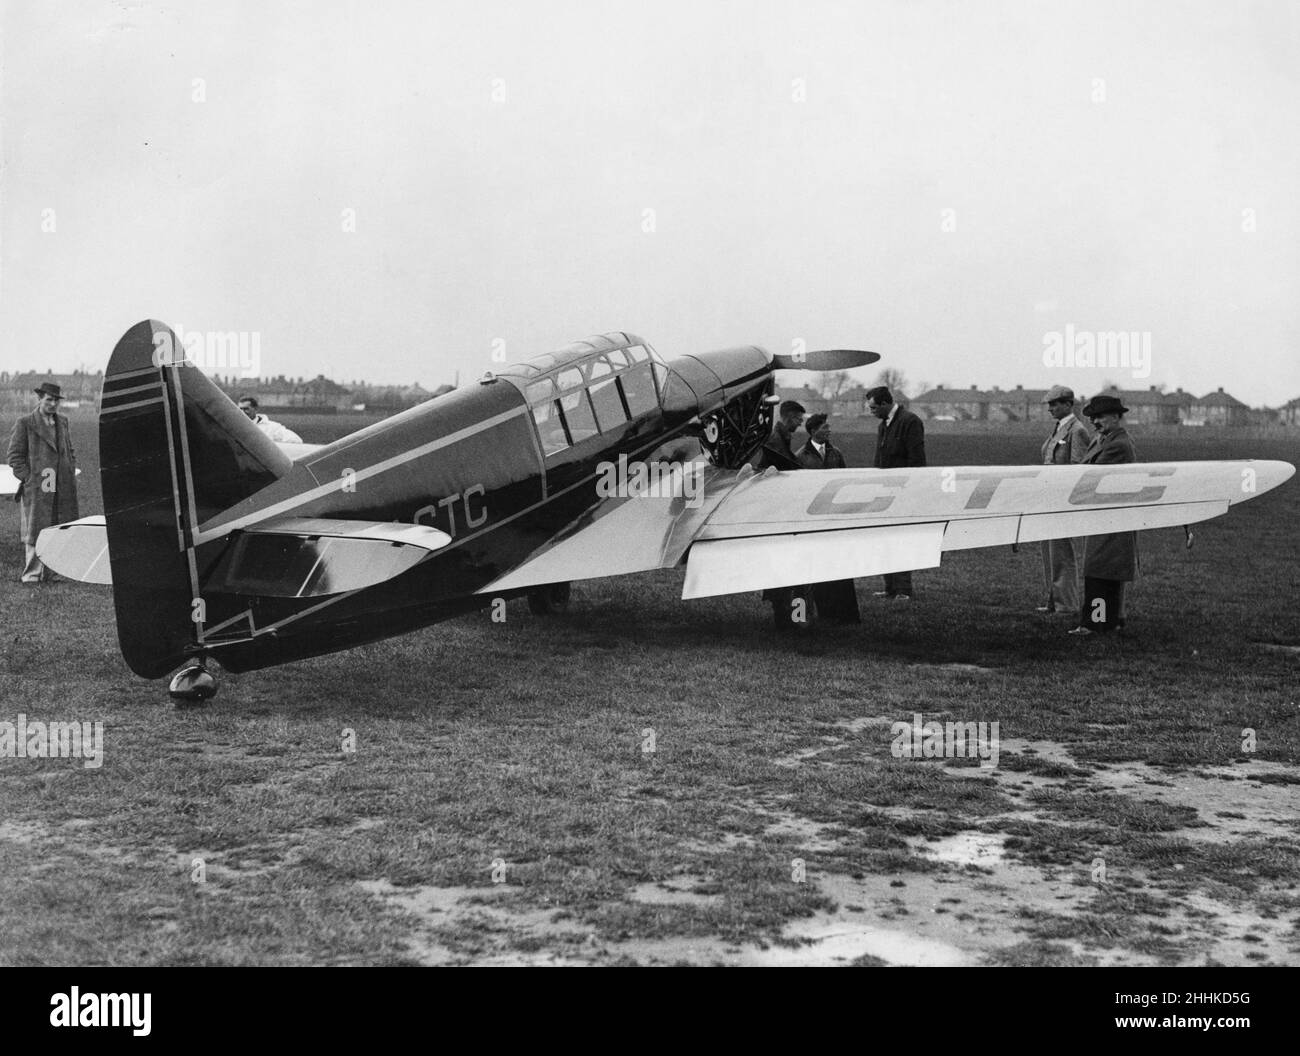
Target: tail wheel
[(549, 600)]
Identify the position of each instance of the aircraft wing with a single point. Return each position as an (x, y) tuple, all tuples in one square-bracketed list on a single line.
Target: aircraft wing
[(9, 483), (740, 532)]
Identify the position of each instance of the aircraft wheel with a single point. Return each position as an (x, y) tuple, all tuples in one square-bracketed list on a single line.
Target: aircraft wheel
[(549, 600), (192, 686)]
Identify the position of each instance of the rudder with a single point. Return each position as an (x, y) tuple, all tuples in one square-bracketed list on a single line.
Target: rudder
[(174, 452)]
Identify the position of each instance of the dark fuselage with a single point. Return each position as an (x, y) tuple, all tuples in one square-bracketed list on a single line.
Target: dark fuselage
[(502, 466)]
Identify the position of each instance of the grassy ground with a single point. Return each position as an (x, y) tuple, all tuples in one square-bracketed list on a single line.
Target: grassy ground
[(503, 801)]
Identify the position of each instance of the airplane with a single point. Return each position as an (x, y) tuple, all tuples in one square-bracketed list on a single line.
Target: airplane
[(567, 466)]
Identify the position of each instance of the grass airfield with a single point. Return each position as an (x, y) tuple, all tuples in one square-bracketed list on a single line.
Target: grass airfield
[(649, 781)]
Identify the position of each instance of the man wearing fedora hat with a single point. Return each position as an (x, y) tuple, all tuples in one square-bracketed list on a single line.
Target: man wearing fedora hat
[(1109, 561), (44, 461), (1065, 447)]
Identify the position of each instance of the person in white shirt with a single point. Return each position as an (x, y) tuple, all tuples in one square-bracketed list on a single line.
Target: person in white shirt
[(273, 430)]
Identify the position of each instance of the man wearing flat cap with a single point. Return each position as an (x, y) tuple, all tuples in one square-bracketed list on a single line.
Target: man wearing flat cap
[(1110, 562), (1065, 446), (44, 461)]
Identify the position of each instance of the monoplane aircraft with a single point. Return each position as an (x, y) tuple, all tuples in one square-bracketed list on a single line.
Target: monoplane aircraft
[(221, 545)]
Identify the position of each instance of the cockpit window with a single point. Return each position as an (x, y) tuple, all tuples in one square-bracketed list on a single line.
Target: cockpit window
[(661, 376), (608, 404), (550, 427), (540, 391), (596, 396), (639, 390), (569, 379), (578, 416), (546, 413)]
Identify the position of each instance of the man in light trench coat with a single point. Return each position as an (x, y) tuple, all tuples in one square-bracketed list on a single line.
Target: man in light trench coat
[(1065, 447), (44, 461)]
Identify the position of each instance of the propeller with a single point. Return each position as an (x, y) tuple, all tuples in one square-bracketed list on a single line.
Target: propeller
[(825, 359)]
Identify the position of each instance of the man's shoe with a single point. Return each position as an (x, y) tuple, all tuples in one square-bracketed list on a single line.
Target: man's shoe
[(902, 597), (1045, 608), (1080, 630), (881, 594)]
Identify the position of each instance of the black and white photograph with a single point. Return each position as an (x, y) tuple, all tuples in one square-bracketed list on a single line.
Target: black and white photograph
[(801, 483)]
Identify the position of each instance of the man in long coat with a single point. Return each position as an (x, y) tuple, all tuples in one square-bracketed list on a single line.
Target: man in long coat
[(44, 461), (1109, 561), (900, 443), (1066, 446)]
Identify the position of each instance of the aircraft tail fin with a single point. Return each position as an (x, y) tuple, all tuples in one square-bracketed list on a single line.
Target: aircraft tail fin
[(174, 452)]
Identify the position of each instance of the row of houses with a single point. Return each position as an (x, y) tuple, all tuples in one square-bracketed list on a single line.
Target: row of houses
[(305, 395), (1146, 406), (321, 394)]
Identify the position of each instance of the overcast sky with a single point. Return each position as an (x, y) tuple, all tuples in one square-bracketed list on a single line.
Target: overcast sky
[(947, 184)]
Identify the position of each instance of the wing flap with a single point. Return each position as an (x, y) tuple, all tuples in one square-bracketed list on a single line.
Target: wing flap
[(973, 532), (1123, 519), (730, 566)]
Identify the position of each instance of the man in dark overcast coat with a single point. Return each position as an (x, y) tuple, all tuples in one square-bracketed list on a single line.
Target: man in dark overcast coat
[(900, 443), (837, 600), (1110, 562)]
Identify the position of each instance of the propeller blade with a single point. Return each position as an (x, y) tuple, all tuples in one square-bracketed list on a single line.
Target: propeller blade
[(825, 359)]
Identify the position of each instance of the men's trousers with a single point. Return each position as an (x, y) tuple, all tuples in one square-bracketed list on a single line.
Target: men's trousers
[(1061, 571)]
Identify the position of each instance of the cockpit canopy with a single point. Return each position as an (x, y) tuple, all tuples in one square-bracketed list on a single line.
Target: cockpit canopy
[(591, 387)]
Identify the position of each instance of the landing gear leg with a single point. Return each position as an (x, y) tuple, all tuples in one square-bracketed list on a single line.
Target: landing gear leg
[(792, 608), (192, 686), (549, 600)]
